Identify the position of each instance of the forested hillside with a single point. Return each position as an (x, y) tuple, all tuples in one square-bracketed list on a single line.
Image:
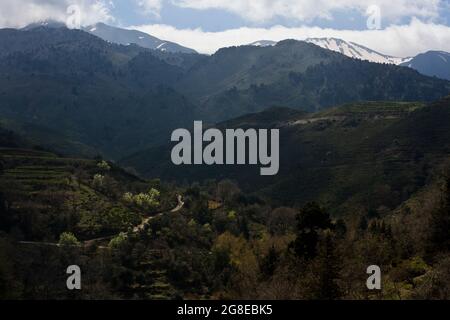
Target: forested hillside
[(357, 157), (299, 75), (222, 243), (112, 98)]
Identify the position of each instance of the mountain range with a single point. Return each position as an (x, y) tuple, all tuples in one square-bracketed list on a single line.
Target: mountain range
[(430, 63), (118, 36), (76, 92), (349, 49)]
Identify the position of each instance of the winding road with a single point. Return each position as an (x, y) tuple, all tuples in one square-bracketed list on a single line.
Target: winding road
[(147, 220), (136, 229)]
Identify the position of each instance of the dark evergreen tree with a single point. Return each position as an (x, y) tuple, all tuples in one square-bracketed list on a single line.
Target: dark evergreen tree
[(244, 228), (311, 219), (340, 228), (363, 224), (328, 269), (269, 263)]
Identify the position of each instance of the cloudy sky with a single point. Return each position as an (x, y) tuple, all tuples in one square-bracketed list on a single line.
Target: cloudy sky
[(396, 27)]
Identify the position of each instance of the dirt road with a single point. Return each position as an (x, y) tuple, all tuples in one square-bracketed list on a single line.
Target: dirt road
[(136, 229)]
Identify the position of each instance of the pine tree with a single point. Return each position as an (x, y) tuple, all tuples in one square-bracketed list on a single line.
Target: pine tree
[(311, 219), (269, 263), (328, 269), (363, 224)]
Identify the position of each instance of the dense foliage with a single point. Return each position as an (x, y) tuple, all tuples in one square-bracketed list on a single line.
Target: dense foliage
[(224, 245)]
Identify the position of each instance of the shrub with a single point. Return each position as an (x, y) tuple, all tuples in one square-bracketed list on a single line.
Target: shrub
[(118, 241), (146, 201), (98, 181), (68, 239), (103, 165)]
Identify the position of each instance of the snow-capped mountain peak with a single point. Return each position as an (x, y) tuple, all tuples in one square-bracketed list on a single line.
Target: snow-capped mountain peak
[(350, 49), (50, 24), (128, 37), (264, 43), (356, 51)]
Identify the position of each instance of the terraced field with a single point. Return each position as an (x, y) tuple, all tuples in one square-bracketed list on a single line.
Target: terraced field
[(375, 108), (38, 175), (55, 194)]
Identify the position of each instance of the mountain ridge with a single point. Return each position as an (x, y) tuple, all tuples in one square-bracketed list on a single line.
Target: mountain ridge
[(127, 37), (349, 49), (299, 75), (431, 63), (357, 51), (90, 91)]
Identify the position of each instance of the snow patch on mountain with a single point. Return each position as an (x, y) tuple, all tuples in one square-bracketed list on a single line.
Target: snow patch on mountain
[(350, 49), (161, 45), (264, 43), (356, 51), (128, 37)]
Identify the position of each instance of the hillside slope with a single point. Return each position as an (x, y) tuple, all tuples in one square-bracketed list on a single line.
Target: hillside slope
[(113, 98), (299, 75), (376, 153)]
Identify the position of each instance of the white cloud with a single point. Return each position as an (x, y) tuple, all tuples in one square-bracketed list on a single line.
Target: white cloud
[(306, 10), (18, 13), (397, 40)]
